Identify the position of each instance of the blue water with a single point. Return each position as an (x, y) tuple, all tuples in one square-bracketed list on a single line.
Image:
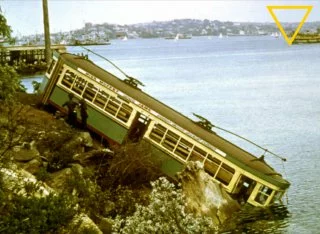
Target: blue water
[(258, 87)]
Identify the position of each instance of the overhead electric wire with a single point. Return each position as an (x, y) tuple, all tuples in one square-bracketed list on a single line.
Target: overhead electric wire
[(107, 61), (237, 135), (131, 80), (208, 125)]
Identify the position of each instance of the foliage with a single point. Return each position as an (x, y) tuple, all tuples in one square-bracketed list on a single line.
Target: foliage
[(42, 174), (9, 83), (54, 144), (166, 213), (97, 203), (132, 164), (29, 213), (125, 200), (12, 128), (90, 197), (5, 29)]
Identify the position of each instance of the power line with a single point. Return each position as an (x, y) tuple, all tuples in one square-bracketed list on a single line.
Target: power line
[(208, 125), (251, 142), (129, 79), (106, 60)]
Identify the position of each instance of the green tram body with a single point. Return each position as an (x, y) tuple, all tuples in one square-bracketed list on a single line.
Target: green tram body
[(118, 112)]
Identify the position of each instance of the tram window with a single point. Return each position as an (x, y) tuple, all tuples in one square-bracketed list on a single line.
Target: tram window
[(113, 106), (124, 112), (68, 79), (90, 92), (183, 148), (101, 99), (197, 154), (78, 85), (170, 140), (53, 62), (263, 194), (211, 165), (277, 196), (157, 133), (225, 174)]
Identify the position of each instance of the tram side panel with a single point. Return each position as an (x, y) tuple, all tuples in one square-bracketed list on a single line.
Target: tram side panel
[(97, 121), (169, 165)]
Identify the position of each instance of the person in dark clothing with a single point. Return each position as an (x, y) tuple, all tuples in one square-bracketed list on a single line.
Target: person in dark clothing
[(83, 113), (72, 113)]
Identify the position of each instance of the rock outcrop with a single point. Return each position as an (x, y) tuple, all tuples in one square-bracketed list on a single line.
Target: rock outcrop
[(205, 196), (81, 224)]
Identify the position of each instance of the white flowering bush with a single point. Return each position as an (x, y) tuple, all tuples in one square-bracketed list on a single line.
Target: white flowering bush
[(166, 213)]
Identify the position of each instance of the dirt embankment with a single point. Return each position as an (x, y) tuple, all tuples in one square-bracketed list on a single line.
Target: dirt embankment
[(35, 114)]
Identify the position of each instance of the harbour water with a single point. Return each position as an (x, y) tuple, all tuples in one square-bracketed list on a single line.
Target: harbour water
[(258, 87)]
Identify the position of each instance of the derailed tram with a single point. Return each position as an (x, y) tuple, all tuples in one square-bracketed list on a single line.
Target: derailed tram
[(119, 111)]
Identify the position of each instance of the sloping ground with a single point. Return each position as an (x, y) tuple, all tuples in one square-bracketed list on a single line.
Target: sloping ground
[(40, 119), (54, 139), (35, 115)]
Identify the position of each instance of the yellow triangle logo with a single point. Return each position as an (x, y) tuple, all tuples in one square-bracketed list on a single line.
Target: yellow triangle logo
[(284, 34)]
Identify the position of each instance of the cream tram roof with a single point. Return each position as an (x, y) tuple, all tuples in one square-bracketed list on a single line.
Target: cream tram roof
[(235, 154)]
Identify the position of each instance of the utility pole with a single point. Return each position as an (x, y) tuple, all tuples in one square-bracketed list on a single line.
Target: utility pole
[(46, 31)]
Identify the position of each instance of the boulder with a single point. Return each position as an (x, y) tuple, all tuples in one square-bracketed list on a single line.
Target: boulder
[(32, 166), (204, 195), (81, 224), (59, 180), (105, 225), (13, 179), (86, 139), (24, 154), (85, 157)]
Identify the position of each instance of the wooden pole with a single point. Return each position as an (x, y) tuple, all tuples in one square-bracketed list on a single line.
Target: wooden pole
[(46, 31)]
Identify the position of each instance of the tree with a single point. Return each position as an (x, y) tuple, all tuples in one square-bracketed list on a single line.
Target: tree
[(5, 29), (9, 83)]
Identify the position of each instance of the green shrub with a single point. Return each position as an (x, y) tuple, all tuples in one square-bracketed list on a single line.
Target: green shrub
[(35, 214), (42, 174), (53, 144), (131, 165), (166, 213), (10, 83)]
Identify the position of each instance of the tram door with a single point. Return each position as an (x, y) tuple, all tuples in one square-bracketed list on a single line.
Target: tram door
[(138, 128), (244, 188)]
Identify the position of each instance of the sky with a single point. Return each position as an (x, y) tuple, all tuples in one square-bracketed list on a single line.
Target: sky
[(25, 16)]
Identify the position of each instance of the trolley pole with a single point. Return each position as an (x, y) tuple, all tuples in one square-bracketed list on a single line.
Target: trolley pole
[(46, 31)]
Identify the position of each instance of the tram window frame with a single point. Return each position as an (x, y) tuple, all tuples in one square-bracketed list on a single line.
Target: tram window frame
[(154, 134), (68, 79), (52, 64), (79, 85), (183, 148), (124, 112), (170, 140), (263, 194), (90, 92), (60, 73), (196, 154), (277, 196), (225, 174), (212, 161), (112, 106), (101, 99)]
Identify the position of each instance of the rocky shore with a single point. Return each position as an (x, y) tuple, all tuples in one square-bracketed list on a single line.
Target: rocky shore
[(60, 176)]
